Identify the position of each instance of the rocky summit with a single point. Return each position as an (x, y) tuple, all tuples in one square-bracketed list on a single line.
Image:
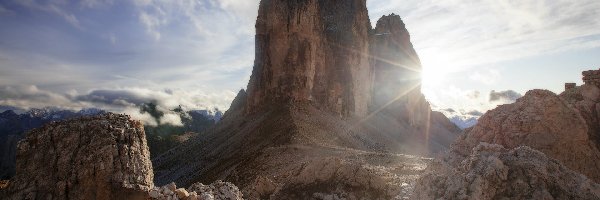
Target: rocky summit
[(100, 157), (317, 112), (104, 157), (544, 146), (546, 122), (314, 52)]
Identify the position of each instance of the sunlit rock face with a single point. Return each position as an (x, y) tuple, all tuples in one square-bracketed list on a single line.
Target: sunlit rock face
[(560, 126), (396, 73), (396, 65), (312, 51)]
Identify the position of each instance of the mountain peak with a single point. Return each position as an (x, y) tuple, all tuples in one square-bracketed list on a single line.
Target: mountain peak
[(311, 52)]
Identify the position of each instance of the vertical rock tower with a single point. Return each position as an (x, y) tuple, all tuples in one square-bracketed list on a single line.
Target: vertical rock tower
[(323, 80), (396, 73), (326, 54), (312, 51), (396, 65)]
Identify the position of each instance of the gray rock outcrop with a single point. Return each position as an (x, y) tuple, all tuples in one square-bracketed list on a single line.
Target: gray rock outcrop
[(557, 125), (312, 51), (218, 190), (103, 157), (493, 172)]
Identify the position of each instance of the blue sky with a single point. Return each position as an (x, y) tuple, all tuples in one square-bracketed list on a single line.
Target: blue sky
[(111, 54)]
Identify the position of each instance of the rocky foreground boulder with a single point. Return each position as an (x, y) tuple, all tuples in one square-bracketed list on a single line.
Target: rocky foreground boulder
[(198, 191), (494, 172), (101, 157), (104, 157), (557, 125), (543, 146)]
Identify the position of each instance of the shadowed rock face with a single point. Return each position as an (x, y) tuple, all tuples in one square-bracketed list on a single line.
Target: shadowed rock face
[(104, 157), (312, 51), (309, 107)]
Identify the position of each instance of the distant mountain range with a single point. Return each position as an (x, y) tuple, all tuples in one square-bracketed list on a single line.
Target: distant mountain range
[(15, 123), (464, 122)]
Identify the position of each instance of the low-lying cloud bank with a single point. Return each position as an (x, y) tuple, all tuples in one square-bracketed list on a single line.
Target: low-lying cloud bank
[(124, 100), (472, 105)]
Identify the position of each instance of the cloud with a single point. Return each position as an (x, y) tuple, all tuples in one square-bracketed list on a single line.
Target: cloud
[(450, 110), (202, 50), (487, 76), (204, 18), (32, 97), (475, 113), (127, 100), (446, 34), (473, 94), (505, 96), (117, 97), (152, 24)]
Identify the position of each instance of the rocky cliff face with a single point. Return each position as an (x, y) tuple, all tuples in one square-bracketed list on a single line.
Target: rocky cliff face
[(13, 127), (101, 157), (544, 121), (586, 100), (496, 158), (396, 73), (311, 104), (104, 157), (493, 172), (312, 51), (396, 65)]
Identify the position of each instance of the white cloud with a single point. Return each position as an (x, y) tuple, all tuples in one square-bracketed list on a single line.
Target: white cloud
[(467, 39), (486, 76), (462, 34), (126, 100), (30, 96), (152, 24)]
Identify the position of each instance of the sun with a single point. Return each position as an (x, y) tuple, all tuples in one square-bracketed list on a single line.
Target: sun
[(432, 76)]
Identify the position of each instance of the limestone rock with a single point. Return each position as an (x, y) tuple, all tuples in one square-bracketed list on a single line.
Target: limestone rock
[(586, 100), (308, 100), (543, 121), (396, 65), (592, 77), (182, 193), (103, 157), (493, 172), (312, 51), (219, 190)]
